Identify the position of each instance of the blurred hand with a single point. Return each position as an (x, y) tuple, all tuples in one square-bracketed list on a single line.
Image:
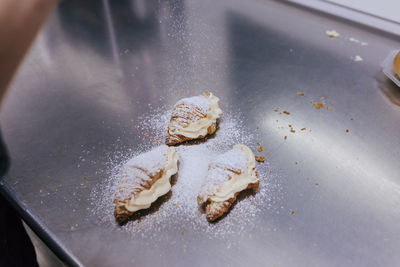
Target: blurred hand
[(20, 21)]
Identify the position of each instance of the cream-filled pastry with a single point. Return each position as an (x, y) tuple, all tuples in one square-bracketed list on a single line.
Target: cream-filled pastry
[(228, 175), (193, 118), (143, 180)]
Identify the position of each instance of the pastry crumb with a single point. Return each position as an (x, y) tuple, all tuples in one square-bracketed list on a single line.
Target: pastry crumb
[(292, 130), (85, 178), (332, 33), (276, 109), (259, 158), (269, 171), (300, 93), (317, 105), (126, 51), (260, 148), (352, 119), (302, 129), (347, 130), (357, 58), (285, 137), (292, 212), (182, 233), (329, 108), (286, 112), (316, 184)]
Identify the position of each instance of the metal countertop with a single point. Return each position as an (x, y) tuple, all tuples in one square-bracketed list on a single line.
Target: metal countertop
[(76, 92)]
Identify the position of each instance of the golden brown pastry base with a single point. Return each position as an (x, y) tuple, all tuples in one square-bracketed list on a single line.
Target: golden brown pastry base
[(214, 210), (121, 214), (172, 140)]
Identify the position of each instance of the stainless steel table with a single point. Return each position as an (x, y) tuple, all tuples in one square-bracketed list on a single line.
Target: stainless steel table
[(79, 89)]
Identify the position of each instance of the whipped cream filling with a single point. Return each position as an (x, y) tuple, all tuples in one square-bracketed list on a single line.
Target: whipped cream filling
[(238, 182), (162, 186), (199, 128)]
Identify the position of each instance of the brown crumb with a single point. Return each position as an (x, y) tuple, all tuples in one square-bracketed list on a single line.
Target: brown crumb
[(260, 148), (158, 139), (318, 105), (302, 129), (347, 130), (292, 212), (259, 158), (250, 101), (176, 206), (269, 171), (182, 233), (329, 108), (85, 178), (290, 125), (276, 109), (296, 163), (285, 137), (40, 190), (286, 112), (146, 134), (316, 184), (48, 177), (257, 127), (300, 93), (126, 51), (352, 119), (292, 130)]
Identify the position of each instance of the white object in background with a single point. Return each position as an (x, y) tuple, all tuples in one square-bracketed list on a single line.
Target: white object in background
[(384, 18), (387, 67)]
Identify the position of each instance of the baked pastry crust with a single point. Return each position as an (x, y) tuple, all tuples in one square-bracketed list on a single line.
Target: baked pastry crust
[(139, 178), (202, 110), (214, 210), (226, 176)]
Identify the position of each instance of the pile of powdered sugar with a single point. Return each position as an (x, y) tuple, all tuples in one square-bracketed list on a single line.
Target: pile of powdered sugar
[(180, 206)]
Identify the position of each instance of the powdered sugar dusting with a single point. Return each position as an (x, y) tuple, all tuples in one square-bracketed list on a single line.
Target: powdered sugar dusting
[(139, 171), (152, 161), (200, 102), (180, 207)]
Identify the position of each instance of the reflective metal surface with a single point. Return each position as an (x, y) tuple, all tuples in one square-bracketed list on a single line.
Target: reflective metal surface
[(79, 90)]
